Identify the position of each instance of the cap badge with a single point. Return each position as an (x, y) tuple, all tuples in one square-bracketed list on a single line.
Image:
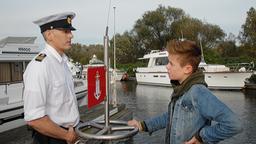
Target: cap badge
[(69, 20)]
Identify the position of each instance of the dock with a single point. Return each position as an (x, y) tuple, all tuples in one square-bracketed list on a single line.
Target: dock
[(251, 86), (22, 135)]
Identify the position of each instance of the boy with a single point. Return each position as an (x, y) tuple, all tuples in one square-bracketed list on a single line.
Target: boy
[(192, 107)]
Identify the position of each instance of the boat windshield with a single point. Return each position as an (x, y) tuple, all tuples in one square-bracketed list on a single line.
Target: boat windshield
[(161, 61)]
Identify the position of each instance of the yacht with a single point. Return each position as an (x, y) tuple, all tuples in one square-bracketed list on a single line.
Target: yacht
[(15, 54), (216, 76)]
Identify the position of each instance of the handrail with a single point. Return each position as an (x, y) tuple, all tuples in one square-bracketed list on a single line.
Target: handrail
[(6, 84), (103, 132), (11, 82)]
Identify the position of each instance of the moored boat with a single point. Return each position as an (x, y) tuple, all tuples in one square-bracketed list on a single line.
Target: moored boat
[(216, 76)]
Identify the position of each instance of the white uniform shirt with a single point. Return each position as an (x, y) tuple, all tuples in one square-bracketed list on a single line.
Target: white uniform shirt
[(49, 90)]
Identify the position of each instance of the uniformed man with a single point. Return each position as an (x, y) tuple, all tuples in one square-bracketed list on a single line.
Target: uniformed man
[(50, 105)]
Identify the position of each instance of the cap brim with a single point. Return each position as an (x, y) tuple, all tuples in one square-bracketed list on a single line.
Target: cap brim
[(69, 28), (72, 28)]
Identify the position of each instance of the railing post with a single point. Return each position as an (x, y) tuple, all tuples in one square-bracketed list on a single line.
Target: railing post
[(5, 90), (107, 78)]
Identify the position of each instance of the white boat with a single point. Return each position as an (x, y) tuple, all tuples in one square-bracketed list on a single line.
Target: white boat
[(15, 54), (216, 76), (115, 75)]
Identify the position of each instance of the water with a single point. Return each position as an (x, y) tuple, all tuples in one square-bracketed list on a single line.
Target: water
[(147, 101)]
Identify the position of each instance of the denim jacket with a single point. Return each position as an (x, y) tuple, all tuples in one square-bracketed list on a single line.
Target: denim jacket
[(197, 111)]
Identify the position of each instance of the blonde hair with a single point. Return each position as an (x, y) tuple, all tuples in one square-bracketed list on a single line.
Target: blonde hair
[(189, 52)]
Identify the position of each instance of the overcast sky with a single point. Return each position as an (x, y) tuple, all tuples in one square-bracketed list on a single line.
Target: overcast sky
[(91, 15)]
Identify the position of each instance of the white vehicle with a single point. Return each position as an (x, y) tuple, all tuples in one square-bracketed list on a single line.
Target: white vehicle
[(216, 76), (15, 54)]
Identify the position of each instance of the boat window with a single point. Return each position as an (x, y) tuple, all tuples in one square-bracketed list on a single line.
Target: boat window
[(11, 72), (161, 61), (144, 62), (202, 68), (5, 72)]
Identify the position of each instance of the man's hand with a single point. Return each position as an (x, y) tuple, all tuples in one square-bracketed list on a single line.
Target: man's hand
[(72, 137), (193, 141), (135, 123)]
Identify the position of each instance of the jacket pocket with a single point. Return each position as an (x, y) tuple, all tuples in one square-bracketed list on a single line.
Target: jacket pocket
[(187, 106)]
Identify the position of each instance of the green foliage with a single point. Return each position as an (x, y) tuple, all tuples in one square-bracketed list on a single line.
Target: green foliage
[(228, 49), (82, 53), (248, 29), (212, 57), (131, 67), (155, 28), (125, 49), (252, 79), (248, 33), (194, 29)]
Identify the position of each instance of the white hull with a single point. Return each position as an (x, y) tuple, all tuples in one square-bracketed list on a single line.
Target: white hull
[(226, 80), (9, 111), (215, 80), (11, 104), (161, 79)]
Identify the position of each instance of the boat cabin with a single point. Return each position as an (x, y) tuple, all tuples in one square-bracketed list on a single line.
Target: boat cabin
[(15, 54)]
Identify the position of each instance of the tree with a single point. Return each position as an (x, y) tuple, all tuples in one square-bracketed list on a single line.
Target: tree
[(154, 29), (194, 29), (125, 48), (82, 53), (248, 33), (227, 48)]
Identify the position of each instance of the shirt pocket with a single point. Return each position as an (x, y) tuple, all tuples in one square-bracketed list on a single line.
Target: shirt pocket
[(60, 92)]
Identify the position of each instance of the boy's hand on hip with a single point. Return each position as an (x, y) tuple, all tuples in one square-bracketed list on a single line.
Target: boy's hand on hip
[(192, 141)]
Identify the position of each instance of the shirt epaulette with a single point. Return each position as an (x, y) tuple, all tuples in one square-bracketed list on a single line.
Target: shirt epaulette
[(40, 57)]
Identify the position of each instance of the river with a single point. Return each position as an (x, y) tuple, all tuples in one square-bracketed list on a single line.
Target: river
[(147, 101)]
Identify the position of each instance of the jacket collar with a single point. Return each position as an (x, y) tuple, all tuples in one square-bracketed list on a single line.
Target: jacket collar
[(56, 54), (179, 89)]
